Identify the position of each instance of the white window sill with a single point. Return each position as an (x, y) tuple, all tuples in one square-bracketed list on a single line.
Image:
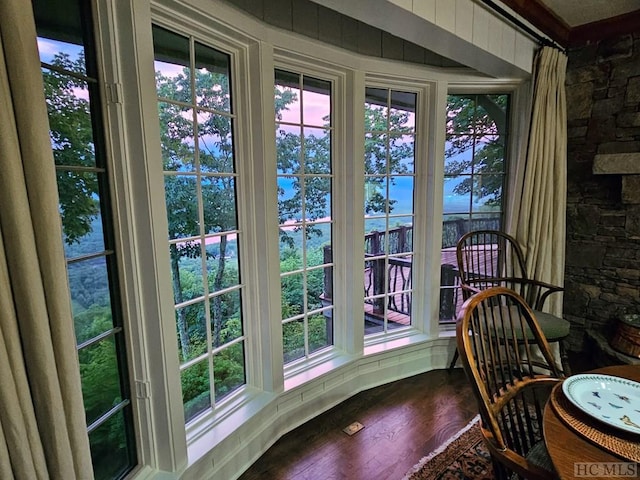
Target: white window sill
[(403, 338), (316, 367), (209, 431)]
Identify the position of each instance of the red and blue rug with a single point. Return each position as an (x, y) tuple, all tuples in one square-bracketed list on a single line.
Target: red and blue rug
[(462, 457)]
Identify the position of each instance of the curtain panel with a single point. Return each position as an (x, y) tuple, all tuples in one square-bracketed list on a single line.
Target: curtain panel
[(42, 424), (541, 229)]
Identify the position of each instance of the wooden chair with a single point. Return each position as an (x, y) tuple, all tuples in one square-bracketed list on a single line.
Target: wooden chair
[(490, 258), (496, 331)]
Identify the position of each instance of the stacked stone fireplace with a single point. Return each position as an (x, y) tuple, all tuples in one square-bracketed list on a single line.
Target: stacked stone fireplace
[(602, 278)]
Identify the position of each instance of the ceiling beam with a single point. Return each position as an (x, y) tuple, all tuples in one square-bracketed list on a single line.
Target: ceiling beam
[(603, 29), (542, 18)]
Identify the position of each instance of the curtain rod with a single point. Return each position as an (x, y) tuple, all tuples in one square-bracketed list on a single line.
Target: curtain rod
[(542, 40)]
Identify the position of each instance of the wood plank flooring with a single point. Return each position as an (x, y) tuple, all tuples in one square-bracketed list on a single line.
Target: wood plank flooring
[(403, 421)]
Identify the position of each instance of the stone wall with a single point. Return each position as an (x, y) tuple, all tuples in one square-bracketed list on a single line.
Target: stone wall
[(602, 277)]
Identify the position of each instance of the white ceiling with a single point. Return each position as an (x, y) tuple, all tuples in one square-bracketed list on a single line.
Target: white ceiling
[(579, 12)]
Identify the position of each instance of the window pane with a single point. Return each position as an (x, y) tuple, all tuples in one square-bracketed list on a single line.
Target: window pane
[(176, 122), (109, 448), (402, 113), (212, 84), (219, 203), (226, 317), (326, 297), (375, 237), (375, 195), (293, 291), (489, 155), (315, 288), (317, 150), (186, 270), (69, 56), (460, 114), (401, 153), (293, 340), (401, 195), (86, 232), (487, 193), (173, 75), (192, 331), (319, 244), (317, 101), (491, 113), (289, 202), (196, 389), (229, 370), (79, 207), (291, 248), (215, 143), (457, 194), (288, 148), (223, 268), (100, 378), (182, 207), (376, 108), (375, 154), (400, 234), (458, 159), (317, 198), (287, 96), (319, 331), (90, 298), (69, 112)]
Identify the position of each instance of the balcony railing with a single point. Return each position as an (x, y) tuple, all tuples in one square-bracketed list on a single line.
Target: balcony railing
[(392, 275)]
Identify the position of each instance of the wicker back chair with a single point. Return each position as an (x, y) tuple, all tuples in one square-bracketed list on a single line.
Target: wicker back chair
[(496, 334)]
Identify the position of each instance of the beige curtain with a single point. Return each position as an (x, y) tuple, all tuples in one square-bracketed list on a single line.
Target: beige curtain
[(42, 427), (541, 221)]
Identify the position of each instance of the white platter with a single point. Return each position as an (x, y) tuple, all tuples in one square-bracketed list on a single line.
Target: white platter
[(612, 400)]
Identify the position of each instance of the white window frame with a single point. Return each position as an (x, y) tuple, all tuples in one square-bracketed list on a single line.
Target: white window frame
[(296, 371)]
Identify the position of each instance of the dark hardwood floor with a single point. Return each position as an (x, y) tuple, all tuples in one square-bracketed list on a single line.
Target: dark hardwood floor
[(403, 421)]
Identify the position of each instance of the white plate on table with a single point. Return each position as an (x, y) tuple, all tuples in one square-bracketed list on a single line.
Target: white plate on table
[(612, 400)]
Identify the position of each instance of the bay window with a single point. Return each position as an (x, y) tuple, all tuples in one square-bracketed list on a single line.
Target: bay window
[(275, 202)]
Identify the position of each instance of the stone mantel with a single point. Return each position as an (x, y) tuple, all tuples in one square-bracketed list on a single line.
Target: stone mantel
[(625, 164), (617, 163)]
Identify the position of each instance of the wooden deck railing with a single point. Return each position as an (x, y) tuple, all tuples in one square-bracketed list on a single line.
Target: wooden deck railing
[(397, 272)]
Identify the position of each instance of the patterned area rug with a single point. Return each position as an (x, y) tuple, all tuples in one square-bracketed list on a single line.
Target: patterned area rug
[(462, 457)]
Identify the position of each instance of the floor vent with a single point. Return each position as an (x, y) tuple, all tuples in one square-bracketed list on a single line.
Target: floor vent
[(355, 427)]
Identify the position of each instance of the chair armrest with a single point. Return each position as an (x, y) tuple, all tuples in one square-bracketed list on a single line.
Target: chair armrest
[(542, 291), (534, 292)]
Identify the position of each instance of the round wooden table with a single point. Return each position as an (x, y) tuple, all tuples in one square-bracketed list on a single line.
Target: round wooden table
[(566, 446)]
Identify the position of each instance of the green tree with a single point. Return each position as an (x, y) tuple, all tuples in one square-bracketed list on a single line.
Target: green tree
[(477, 121), (380, 151), (71, 135), (215, 154)]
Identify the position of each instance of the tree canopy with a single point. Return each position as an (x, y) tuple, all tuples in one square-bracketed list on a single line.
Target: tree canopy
[(476, 139)]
